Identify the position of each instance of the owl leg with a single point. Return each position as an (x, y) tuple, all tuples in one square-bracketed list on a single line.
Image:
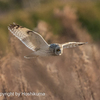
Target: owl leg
[(30, 56)]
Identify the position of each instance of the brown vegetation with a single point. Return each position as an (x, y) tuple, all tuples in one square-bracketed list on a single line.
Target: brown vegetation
[(72, 76)]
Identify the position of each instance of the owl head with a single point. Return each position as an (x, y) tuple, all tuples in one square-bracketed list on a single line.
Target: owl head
[(56, 49)]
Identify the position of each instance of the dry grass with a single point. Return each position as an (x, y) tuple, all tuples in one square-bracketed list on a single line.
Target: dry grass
[(72, 76)]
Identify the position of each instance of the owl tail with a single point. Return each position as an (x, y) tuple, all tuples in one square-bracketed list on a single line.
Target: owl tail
[(73, 44), (30, 56)]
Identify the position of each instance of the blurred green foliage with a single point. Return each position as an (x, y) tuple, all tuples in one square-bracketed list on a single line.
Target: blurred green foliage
[(4, 5), (88, 14), (28, 18), (48, 17)]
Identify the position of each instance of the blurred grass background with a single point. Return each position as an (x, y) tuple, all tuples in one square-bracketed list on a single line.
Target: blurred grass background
[(29, 12)]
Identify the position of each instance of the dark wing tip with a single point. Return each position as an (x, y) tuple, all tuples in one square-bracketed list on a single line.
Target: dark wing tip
[(14, 25), (11, 26), (82, 43)]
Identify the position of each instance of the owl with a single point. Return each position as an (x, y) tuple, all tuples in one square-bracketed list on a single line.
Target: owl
[(35, 42)]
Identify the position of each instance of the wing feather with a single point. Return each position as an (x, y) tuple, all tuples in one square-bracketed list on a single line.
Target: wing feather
[(73, 44), (29, 38)]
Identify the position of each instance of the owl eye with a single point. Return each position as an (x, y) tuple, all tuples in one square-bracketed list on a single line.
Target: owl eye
[(58, 49)]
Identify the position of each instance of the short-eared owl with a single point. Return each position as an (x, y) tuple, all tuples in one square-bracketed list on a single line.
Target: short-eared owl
[(37, 44)]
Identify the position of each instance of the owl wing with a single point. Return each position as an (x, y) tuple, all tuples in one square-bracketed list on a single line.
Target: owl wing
[(73, 44), (29, 38)]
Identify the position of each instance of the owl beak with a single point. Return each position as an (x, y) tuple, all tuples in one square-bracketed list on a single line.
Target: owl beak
[(60, 54)]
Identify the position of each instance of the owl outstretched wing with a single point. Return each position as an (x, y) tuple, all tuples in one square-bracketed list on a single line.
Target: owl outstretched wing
[(29, 38), (73, 44)]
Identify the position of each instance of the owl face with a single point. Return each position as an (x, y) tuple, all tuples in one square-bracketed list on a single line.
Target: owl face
[(55, 49)]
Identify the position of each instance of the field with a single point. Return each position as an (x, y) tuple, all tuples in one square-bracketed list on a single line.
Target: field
[(75, 75)]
